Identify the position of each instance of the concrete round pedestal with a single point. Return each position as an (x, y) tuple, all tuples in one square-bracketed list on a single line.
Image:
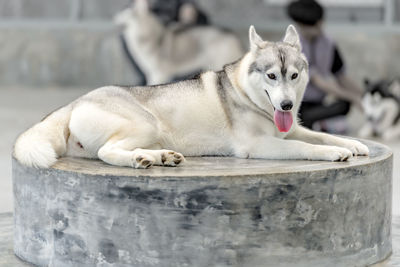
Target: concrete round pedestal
[(209, 212)]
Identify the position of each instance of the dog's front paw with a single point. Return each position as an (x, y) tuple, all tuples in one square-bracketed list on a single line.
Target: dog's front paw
[(334, 153), (357, 148), (171, 158), (143, 161)]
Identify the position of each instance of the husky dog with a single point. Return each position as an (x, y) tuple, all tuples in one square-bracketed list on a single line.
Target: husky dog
[(381, 104), (247, 110), (166, 52)]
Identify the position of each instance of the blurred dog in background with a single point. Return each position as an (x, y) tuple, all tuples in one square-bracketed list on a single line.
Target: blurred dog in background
[(381, 103), (165, 53)]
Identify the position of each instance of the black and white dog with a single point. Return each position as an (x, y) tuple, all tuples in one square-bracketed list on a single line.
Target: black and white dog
[(381, 104)]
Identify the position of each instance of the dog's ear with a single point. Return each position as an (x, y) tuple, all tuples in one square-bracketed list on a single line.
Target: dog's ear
[(394, 88), (141, 5), (292, 37), (121, 18), (256, 42)]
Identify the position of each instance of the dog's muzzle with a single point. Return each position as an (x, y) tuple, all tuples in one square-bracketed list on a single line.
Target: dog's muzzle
[(286, 105)]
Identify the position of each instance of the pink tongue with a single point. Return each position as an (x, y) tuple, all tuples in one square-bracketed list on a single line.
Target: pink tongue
[(283, 120)]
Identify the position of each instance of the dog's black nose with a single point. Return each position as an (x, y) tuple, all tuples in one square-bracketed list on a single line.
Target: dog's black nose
[(286, 105)]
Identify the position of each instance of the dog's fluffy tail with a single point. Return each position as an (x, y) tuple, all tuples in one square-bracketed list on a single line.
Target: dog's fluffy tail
[(41, 145)]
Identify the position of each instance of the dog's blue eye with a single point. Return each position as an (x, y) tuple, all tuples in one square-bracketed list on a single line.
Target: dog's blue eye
[(294, 76), (271, 76)]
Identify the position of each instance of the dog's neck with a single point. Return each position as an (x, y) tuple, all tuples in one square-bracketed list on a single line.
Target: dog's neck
[(145, 50), (237, 73)]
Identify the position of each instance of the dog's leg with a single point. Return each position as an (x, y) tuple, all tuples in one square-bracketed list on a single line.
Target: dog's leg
[(164, 157), (391, 110), (276, 148), (309, 136), (125, 153), (158, 78)]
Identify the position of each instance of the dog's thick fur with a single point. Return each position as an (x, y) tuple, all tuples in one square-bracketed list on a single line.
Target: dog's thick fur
[(229, 113), (164, 53)]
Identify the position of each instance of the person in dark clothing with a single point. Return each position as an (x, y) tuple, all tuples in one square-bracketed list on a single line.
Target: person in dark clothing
[(326, 67)]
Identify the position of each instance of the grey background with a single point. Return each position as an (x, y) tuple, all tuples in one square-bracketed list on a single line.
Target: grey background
[(74, 43)]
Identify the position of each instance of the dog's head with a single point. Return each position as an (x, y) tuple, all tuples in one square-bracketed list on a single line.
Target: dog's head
[(276, 75), (138, 18), (379, 97), (381, 87)]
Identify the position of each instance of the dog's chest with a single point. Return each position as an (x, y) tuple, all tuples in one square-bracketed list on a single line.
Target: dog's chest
[(247, 124), (199, 141)]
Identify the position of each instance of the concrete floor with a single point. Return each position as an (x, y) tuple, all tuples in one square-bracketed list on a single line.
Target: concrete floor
[(22, 107)]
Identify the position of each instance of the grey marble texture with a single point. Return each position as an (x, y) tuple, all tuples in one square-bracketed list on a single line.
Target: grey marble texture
[(209, 212), (8, 258), (394, 259)]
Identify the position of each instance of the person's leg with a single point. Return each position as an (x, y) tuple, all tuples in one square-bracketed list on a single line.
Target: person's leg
[(312, 112), (336, 109), (306, 113)]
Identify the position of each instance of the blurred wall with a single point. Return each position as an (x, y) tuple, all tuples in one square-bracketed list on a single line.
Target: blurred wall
[(62, 43), (74, 43)]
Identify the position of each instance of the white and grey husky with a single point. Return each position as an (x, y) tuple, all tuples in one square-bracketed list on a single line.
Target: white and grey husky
[(166, 52), (381, 103), (247, 110)]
